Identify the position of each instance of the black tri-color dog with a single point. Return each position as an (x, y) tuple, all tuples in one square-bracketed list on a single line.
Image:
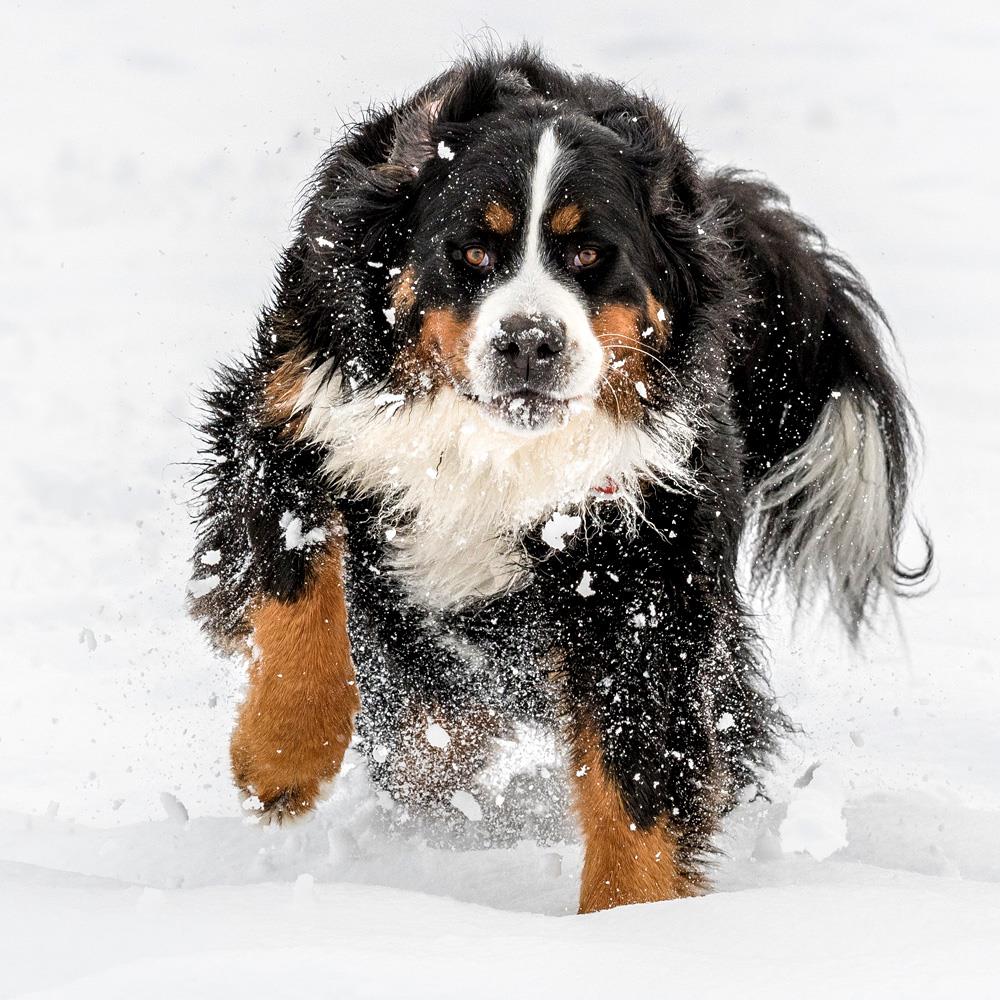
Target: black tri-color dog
[(530, 376)]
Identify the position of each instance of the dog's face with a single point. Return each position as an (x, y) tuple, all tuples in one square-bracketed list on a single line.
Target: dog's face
[(527, 281), (491, 315)]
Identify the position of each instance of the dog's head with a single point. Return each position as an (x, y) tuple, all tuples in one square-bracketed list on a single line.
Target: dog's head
[(529, 241)]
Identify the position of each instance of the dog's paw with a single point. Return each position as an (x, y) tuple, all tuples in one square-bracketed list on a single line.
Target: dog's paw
[(289, 806)]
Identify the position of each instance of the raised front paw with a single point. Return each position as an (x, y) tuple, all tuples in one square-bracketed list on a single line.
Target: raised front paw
[(287, 806), (280, 786)]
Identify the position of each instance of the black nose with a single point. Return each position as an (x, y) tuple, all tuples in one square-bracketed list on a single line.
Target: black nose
[(529, 346)]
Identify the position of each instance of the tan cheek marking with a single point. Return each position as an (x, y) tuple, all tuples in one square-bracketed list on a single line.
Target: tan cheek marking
[(404, 295), (499, 218), (437, 354), (626, 374), (661, 326), (622, 864), (564, 220), (446, 336)]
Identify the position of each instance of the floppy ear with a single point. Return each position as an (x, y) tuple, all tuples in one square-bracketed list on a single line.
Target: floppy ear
[(652, 141), (413, 144), (685, 239), (443, 111)]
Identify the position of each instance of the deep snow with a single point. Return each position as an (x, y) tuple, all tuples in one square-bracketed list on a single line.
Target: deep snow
[(150, 168)]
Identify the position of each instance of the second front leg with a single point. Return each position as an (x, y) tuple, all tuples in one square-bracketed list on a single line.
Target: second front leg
[(298, 717), (629, 856), (666, 720)]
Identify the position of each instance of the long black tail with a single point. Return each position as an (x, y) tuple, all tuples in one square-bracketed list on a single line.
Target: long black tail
[(828, 430)]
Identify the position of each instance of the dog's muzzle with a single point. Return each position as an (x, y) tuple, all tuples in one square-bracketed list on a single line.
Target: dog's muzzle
[(528, 355)]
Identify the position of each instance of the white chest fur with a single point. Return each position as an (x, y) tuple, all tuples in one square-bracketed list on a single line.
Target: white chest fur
[(457, 492)]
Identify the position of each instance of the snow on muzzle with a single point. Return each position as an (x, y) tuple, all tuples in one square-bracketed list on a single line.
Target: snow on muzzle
[(534, 357)]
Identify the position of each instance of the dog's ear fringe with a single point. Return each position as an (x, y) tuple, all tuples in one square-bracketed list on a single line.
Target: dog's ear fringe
[(469, 92), (472, 89), (686, 234), (413, 144)]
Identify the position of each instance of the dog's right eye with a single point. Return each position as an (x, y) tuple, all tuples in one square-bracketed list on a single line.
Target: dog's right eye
[(477, 257)]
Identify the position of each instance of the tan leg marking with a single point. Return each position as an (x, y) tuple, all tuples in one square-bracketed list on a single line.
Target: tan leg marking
[(282, 389), (622, 864), (298, 717)]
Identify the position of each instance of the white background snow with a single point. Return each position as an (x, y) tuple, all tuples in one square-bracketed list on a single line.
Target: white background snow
[(152, 155)]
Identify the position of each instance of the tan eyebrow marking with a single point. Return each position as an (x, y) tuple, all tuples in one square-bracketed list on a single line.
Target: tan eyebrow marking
[(499, 218), (565, 219)]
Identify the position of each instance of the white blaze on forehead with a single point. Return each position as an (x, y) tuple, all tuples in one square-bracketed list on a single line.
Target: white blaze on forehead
[(542, 181), (534, 291)]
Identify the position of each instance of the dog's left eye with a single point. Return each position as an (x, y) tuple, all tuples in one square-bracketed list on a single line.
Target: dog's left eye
[(586, 257)]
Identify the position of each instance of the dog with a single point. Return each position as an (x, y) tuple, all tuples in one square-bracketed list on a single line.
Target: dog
[(530, 377)]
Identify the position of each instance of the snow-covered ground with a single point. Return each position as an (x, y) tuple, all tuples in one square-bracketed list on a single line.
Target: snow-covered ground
[(152, 155)]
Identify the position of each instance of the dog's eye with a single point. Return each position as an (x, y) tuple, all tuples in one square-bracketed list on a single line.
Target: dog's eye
[(478, 257), (586, 257)]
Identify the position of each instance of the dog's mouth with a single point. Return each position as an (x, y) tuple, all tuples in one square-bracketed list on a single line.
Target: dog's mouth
[(529, 411)]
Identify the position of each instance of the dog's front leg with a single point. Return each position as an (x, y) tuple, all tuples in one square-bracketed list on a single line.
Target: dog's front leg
[(298, 717), (629, 856), (666, 720)]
